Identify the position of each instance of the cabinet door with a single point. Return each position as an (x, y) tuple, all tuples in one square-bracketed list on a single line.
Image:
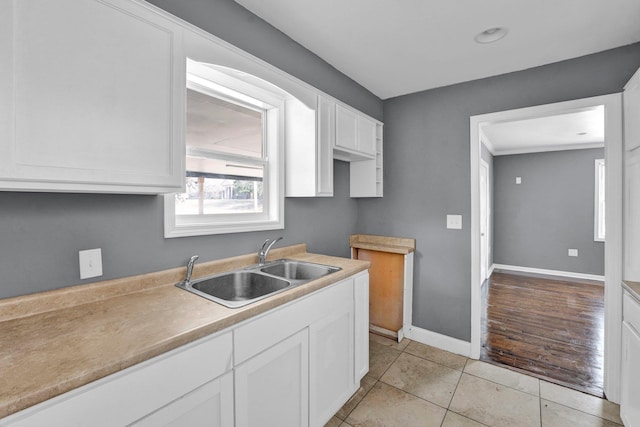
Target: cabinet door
[(361, 293), (366, 135), (630, 391), (346, 128), (92, 97), (326, 141), (331, 361), (272, 388), (632, 216), (208, 406), (631, 99)]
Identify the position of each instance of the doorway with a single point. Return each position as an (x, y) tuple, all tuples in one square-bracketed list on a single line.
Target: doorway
[(613, 247)]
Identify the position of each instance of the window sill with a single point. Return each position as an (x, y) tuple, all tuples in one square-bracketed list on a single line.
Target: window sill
[(172, 230)]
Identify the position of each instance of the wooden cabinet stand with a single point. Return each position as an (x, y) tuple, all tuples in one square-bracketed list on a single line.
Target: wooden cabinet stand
[(390, 281)]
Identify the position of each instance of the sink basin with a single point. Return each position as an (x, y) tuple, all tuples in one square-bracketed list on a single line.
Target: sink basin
[(237, 288), (297, 270), (242, 287)]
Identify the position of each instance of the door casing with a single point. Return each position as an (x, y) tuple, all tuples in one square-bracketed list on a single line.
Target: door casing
[(613, 244)]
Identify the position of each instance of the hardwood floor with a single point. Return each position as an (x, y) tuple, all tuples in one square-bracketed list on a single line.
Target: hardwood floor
[(552, 329)]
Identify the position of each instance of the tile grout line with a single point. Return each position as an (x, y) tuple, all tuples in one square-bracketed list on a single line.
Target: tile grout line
[(411, 394), (374, 384), (540, 402), (581, 411), (462, 372)]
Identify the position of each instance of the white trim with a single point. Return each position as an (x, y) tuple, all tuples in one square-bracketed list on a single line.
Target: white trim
[(613, 245), (441, 341), (407, 309), (225, 54), (542, 149), (613, 248), (488, 230), (493, 266), (547, 272), (596, 199), (484, 139), (250, 94)]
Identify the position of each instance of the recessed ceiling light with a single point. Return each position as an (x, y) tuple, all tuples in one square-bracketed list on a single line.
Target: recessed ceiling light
[(491, 35), (581, 133)]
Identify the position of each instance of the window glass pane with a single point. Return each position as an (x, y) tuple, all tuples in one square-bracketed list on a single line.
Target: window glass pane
[(217, 125), (212, 194)]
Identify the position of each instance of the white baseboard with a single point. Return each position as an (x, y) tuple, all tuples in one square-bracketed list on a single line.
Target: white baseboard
[(493, 266), (435, 339), (548, 272)]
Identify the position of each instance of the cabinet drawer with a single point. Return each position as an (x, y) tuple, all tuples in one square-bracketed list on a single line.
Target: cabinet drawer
[(264, 331), (131, 394), (631, 311)]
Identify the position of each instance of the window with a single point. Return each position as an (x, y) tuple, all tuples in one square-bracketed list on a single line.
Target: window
[(234, 152), (599, 206)]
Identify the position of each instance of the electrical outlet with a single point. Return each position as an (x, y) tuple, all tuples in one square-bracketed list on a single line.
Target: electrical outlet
[(518, 180), (90, 263), (573, 252), (454, 222)]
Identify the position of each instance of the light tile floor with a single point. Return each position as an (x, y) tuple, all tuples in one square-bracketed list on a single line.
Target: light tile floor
[(411, 384)]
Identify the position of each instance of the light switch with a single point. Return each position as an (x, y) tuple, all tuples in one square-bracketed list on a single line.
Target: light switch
[(573, 252), (518, 180), (454, 222), (90, 263)]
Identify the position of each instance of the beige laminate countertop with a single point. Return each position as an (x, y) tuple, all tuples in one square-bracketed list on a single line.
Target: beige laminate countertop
[(633, 288), (56, 341), (397, 245)]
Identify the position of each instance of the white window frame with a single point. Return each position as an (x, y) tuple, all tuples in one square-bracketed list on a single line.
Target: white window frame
[(249, 93), (599, 232)]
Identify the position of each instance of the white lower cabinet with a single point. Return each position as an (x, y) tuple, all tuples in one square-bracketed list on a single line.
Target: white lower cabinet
[(208, 406), (331, 363), (361, 299), (630, 389), (163, 383), (272, 387), (294, 365)]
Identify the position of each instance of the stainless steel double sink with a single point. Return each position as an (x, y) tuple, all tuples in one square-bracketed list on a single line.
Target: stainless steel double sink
[(242, 287)]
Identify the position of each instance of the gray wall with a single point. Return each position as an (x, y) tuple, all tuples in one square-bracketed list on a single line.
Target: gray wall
[(41, 234), (486, 155), (537, 221), (426, 170)]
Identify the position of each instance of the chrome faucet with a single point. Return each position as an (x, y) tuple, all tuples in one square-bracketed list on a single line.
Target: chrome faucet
[(262, 255), (190, 264)]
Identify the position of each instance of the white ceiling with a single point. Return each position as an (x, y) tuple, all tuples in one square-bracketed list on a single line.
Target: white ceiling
[(569, 131), (395, 47)]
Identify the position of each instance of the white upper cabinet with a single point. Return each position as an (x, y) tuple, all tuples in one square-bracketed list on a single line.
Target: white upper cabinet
[(346, 129), (366, 175), (366, 135), (91, 97), (310, 135), (326, 140), (355, 135)]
